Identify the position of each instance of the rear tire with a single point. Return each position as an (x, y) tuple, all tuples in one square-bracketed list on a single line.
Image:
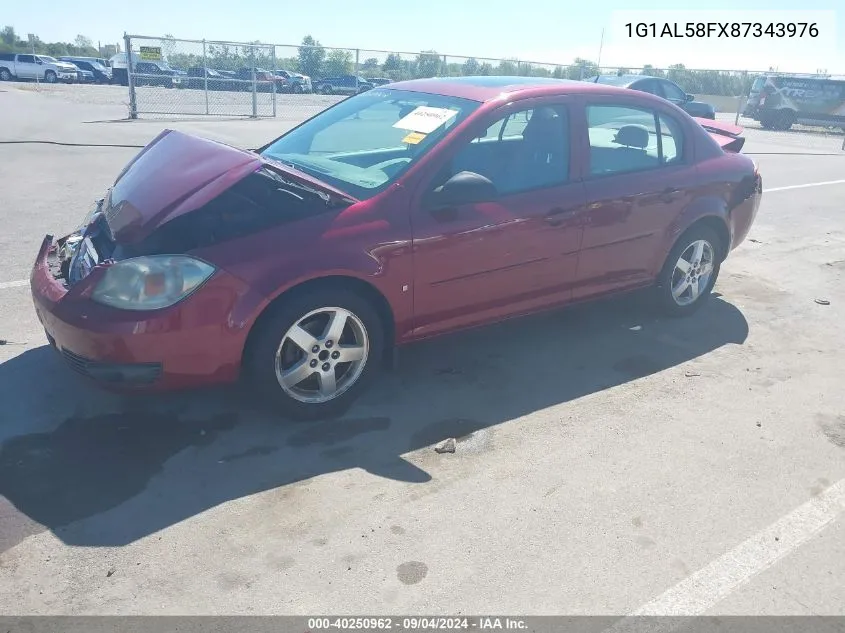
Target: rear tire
[(690, 272), (5, 75), (326, 90), (784, 119), (295, 359)]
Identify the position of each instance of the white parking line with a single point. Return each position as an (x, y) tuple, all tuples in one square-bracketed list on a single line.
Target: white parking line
[(23, 282), (812, 184), (13, 284), (709, 585)]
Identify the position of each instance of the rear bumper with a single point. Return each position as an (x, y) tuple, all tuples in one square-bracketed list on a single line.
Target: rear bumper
[(193, 343), (744, 214)]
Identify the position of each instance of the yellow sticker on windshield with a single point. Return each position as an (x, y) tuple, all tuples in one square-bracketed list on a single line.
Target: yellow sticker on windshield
[(413, 138)]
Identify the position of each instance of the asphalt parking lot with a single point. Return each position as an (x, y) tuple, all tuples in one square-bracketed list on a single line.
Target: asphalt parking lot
[(607, 462)]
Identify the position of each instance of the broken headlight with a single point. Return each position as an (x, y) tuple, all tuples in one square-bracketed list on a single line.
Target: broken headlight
[(151, 282)]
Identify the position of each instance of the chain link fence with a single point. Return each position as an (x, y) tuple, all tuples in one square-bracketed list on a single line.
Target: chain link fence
[(173, 77)]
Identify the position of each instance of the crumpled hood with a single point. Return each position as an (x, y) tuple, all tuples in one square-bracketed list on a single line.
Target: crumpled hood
[(177, 173)]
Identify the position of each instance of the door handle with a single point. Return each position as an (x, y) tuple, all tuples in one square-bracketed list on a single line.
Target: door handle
[(558, 215)]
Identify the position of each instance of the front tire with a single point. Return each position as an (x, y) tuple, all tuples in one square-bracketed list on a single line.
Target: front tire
[(690, 272), (50, 77), (326, 90), (315, 353)]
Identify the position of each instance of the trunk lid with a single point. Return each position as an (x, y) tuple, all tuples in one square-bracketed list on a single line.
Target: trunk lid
[(175, 174)]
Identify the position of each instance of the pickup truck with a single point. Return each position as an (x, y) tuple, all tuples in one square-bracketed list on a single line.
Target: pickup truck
[(343, 85), (40, 67)]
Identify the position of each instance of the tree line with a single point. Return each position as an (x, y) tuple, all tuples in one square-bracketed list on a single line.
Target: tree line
[(12, 42), (316, 61)]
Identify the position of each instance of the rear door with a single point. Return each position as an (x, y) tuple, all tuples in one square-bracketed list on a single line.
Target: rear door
[(639, 176), (26, 67)]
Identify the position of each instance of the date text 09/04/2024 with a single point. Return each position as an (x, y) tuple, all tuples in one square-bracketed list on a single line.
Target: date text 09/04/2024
[(414, 623), (722, 29)]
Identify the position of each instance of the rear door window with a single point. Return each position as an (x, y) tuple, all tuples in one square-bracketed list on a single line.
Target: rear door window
[(629, 139)]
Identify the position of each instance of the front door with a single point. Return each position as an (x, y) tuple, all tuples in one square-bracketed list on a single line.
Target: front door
[(639, 179), (512, 254)]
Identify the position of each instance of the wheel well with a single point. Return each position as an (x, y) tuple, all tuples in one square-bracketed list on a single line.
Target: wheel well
[(359, 287), (718, 226)]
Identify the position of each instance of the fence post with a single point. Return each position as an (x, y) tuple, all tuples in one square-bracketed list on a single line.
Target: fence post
[(205, 74), (357, 65), (130, 80), (254, 85), (444, 67), (273, 58), (581, 72)]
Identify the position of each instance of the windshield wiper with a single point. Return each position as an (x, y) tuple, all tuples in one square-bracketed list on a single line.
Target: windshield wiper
[(301, 188)]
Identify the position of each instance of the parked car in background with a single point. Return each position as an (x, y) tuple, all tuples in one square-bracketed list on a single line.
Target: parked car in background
[(455, 202), (85, 76), (39, 67), (296, 82), (263, 78), (102, 74), (342, 85), (661, 87), (150, 73), (379, 81), (780, 101), (199, 77)]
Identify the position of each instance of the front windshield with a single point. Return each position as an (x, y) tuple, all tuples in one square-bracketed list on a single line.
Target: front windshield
[(48, 60), (365, 142)]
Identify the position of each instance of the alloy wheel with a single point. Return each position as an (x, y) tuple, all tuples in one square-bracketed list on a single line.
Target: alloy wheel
[(322, 355), (692, 272)]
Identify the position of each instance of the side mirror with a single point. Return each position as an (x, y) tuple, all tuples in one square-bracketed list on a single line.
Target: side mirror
[(39, 62), (690, 97), (465, 187)]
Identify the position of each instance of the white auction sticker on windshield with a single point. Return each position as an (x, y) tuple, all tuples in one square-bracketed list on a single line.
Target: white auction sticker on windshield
[(425, 119)]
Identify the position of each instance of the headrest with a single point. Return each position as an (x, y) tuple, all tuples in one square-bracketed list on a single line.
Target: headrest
[(632, 136), (544, 122)]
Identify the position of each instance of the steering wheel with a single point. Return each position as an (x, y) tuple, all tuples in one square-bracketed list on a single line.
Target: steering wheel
[(386, 165)]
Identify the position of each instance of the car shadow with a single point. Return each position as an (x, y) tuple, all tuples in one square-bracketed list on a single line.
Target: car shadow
[(103, 470)]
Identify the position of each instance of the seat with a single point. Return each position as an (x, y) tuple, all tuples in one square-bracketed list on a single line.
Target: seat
[(634, 140), (543, 155)]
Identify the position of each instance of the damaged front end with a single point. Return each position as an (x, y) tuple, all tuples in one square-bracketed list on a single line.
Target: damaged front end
[(72, 257)]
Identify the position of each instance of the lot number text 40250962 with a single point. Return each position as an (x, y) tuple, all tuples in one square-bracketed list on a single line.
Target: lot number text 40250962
[(722, 29)]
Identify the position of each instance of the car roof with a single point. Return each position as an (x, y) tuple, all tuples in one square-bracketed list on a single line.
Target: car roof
[(484, 88)]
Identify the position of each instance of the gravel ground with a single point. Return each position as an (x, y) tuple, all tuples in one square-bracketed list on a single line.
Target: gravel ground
[(606, 460)]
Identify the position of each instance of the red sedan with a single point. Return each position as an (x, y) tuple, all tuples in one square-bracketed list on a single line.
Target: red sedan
[(401, 213)]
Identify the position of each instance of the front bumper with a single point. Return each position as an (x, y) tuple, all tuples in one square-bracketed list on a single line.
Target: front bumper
[(193, 343)]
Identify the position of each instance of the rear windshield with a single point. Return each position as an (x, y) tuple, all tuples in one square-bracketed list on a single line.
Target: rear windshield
[(612, 80)]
